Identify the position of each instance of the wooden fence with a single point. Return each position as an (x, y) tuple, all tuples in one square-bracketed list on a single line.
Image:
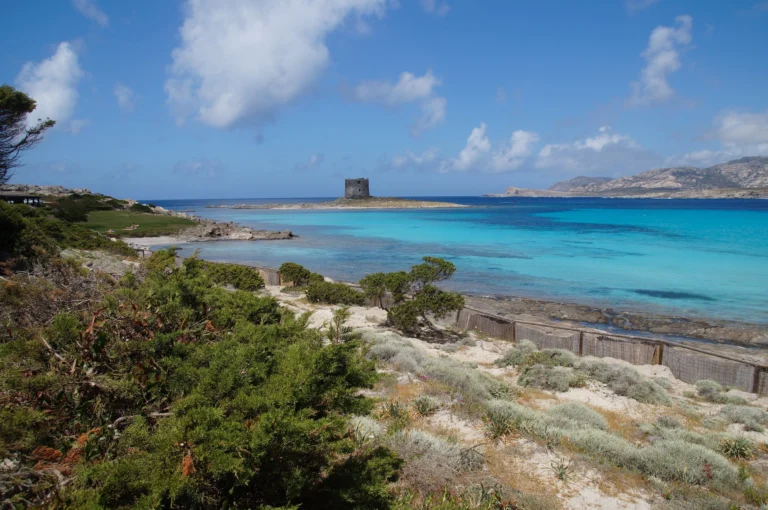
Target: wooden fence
[(686, 362)]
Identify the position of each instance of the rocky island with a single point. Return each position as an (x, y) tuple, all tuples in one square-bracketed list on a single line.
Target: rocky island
[(356, 196), (741, 178)]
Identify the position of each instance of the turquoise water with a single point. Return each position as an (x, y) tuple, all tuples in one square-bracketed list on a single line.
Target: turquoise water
[(689, 257)]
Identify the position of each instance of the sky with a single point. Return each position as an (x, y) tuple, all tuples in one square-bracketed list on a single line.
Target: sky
[(285, 98)]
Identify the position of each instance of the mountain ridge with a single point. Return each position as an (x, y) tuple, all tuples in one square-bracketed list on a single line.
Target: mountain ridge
[(740, 178)]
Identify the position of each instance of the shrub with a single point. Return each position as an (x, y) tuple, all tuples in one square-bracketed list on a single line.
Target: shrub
[(468, 383), (499, 421), (366, 429), (187, 396), (296, 274), (578, 413), (240, 277), (516, 355), (551, 378), (334, 294), (713, 391), (669, 460), (668, 422), (752, 417), (425, 405), (137, 207), (739, 448), (551, 358), (625, 381)]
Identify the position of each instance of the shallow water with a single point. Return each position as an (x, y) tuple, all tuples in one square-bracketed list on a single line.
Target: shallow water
[(689, 257)]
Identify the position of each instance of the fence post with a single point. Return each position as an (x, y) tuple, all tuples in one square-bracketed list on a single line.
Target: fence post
[(514, 333), (756, 379), (581, 342)]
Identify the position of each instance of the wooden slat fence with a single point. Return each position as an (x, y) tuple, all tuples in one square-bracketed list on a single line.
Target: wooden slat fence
[(686, 362)]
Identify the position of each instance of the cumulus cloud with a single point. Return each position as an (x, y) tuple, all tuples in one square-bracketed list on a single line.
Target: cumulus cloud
[(436, 7), (662, 58), (477, 148), (409, 88), (90, 10), (202, 167), (239, 62), (53, 84), (125, 97), (514, 153), (415, 161), (479, 155), (607, 153), (313, 161), (740, 134)]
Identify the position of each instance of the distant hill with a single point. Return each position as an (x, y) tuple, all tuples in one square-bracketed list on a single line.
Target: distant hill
[(579, 182), (741, 178)]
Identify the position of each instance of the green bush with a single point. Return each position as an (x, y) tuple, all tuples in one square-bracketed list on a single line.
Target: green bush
[(334, 294), (738, 448), (578, 413), (713, 391), (753, 418), (240, 277), (298, 275), (185, 395), (137, 207)]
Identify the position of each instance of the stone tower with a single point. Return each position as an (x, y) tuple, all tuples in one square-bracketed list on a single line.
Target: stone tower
[(356, 188)]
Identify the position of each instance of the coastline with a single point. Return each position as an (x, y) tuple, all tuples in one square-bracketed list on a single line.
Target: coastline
[(744, 335), (347, 204)]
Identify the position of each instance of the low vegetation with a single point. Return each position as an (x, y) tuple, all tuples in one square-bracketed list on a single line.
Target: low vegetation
[(166, 390), (238, 276), (28, 234), (119, 223), (334, 294)]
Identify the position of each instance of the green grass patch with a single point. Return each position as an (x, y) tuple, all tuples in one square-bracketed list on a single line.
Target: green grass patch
[(149, 224)]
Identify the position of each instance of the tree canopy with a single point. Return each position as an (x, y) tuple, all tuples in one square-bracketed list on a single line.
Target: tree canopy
[(15, 134)]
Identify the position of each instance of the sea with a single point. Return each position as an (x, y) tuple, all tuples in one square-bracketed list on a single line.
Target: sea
[(689, 258)]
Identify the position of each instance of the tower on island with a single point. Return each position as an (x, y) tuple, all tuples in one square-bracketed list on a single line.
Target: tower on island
[(356, 188)]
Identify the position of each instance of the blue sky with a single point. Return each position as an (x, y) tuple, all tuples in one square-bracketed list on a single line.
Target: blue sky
[(285, 98)]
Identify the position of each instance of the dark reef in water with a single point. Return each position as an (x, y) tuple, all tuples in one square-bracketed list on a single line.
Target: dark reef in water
[(669, 294)]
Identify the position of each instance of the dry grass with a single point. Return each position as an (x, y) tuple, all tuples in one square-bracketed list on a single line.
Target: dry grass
[(532, 397), (508, 465), (620, 424)]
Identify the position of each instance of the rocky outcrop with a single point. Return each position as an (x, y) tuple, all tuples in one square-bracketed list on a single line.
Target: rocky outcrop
[(50, 191), (208, 230)]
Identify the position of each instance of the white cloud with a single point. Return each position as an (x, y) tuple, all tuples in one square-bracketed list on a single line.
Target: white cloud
[(436, 7), (53, 84), (77, 125), (742, 128), (409, 88), (513, 154), (410, 159), (125, 97), (202, 167), (663, 58), (740, 134), (477, 148), (239, 62), (638, 5), (313, 161), (607, 153), (89, 9), (479, 155)]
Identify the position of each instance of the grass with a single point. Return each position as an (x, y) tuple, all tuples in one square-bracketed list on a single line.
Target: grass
[(149, 224)]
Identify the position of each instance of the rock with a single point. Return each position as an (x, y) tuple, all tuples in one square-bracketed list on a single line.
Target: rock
[(208, 230)]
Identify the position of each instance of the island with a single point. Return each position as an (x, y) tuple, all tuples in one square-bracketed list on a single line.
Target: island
[(741, 178), (356, 196)]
